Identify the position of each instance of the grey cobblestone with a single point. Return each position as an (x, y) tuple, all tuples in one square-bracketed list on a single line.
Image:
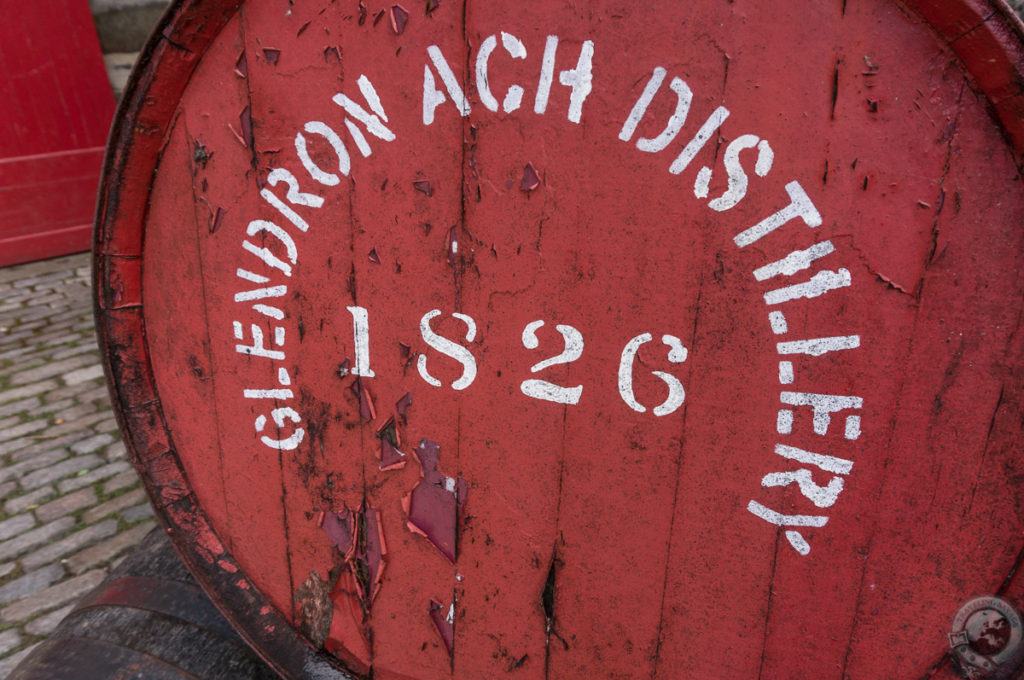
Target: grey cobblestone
[(36, 537), (19, 406), (45, 624), (52, 597), (29, 464), (53, 473), (82, 375), (31, 583), (9, 639), (16, 525), (60, 455), (65, 505), (137, 513), (122, 502), (30, 500), (70, 544), (92, 443), (93, 476), (122, 481), (50, 370), (109, 549)]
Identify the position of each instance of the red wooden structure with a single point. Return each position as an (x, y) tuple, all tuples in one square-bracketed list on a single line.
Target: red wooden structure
[(606, 340), (55, 110)]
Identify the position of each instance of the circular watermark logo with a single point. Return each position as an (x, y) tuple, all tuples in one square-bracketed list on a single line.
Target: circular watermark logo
[(986, 639)]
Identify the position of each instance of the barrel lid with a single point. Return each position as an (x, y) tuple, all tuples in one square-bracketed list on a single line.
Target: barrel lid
[(610, 340)]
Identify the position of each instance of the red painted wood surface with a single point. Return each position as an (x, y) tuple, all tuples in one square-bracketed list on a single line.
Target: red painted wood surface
[(782, 442), (56, 106)]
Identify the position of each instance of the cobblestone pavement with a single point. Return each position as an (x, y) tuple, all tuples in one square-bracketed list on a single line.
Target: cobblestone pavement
[(71, 502)]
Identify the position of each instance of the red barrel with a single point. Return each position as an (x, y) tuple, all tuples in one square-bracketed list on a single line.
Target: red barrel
[(566, 341)]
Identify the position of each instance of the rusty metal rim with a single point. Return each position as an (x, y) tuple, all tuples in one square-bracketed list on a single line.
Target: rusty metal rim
[(986, 36)]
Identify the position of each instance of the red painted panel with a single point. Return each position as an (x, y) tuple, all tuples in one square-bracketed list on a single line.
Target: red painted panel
[(603, 344), (56, 105)]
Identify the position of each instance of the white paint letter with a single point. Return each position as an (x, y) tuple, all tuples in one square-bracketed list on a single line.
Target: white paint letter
[(432, 97), (315, 127), (279, 415), (737, 189), (823, 406), (800, 206), (677, 355), (822, 496), (578, 79), (514, 96), (361, 337), (690, 151), (372, 123), (449, 349), (542, 389), (820, 283), (796, 261)]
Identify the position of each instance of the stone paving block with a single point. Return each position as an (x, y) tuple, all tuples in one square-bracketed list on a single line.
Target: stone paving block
[(29, 281), (91, 444), (45, 409), (122, 481), (6, 568), (125, 500), (9, 639), (137, 513), (48, 445), (92, 476), (69, 544), (75, 412), (7, 488), (65, 505), (50, 370), (116, 451), (53, 597), (16, 525), (59, 471), (109, 549), (109, 425), (83, 374), (31, 583), (27, 465), (36, 537), (45, 624), (29, 501), (23, 429), (9, 422), (76, 392), (76, 424), (19, 406), (85, 347), (100, 394)]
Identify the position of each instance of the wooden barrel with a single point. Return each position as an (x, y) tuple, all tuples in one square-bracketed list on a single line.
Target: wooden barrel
[(148, 620), (593, 340)]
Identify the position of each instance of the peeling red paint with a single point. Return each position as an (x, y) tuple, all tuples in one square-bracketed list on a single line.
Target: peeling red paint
[(423, 186), (271, 55), (530, 179), (403, 404), (399, 17), (444, 622), (241, 66), (432, 506)]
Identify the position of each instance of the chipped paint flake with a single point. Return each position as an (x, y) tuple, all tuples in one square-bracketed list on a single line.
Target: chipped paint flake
[(530, 179), (432, 506), (399, 18)]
